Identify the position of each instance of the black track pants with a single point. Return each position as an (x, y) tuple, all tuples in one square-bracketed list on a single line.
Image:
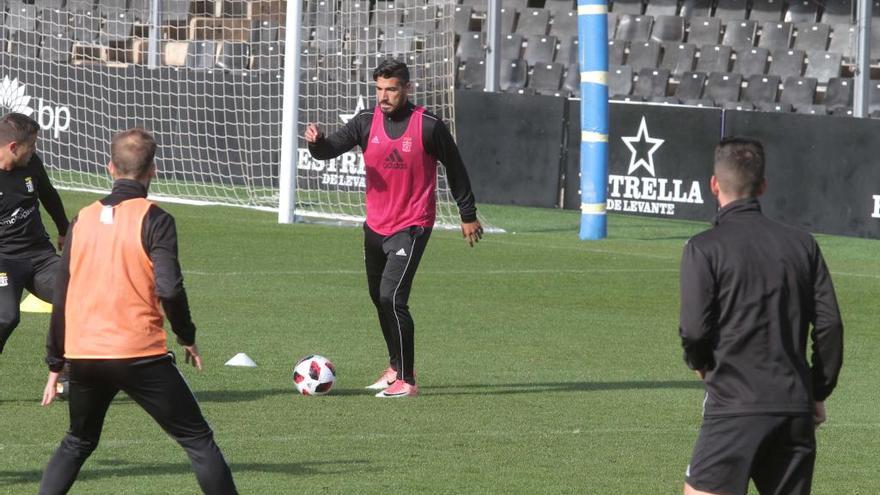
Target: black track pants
[(391, 266)]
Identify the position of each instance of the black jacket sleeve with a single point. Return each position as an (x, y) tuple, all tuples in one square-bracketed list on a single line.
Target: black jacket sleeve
[(160, 242), (827, 333), (697, 325), (50, 198), (354, 133), (443, 147), (55, 338)]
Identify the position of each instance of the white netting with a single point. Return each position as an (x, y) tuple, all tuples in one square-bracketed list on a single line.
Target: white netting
[(213, 98), (347, 39)]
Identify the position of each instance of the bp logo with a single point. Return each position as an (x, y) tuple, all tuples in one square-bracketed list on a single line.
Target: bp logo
[(14, 98)]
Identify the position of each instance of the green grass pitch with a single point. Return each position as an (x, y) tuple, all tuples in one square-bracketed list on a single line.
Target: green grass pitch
[(546, 364)]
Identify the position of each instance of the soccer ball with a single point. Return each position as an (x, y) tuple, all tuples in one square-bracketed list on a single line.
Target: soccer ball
[(314, 375)]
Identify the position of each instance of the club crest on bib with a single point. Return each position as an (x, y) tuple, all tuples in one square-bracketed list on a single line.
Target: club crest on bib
[(4, 279), (29, 184), (406, 147)]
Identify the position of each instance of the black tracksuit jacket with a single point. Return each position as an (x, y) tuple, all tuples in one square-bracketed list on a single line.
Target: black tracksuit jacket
[(751, 289)]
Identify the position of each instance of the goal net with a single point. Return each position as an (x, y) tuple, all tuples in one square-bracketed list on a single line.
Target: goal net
[(207, 79)]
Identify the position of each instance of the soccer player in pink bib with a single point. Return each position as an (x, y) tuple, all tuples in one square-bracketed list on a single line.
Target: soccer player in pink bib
[(402, 144)]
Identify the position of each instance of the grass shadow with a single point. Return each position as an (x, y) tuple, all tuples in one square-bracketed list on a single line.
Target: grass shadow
[(116, 468), (543, 388)]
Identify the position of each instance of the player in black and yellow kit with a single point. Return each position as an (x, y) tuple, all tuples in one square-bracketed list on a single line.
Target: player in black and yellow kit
[(119, 264), (27, 257)]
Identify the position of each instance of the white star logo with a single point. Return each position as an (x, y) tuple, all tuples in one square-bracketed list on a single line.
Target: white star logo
[(642, 135), (345, 117)]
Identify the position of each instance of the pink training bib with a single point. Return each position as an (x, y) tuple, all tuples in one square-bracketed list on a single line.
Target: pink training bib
[(401, 178)]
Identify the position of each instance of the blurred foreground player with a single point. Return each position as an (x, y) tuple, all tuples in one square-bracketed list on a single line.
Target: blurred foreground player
[(27, 257), (751, 288), (119, 263)]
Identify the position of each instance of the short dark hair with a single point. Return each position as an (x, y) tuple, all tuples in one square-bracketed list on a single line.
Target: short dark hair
[(17, 127), (132, 152), (739, 166), (389, 68)]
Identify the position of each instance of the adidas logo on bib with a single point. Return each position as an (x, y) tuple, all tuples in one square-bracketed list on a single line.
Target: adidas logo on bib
[(401, 252)]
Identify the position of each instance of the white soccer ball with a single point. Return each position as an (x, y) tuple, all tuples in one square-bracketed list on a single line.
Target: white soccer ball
[(314, 375)]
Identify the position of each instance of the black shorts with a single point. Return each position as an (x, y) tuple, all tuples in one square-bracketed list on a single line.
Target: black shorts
[(776, 452)]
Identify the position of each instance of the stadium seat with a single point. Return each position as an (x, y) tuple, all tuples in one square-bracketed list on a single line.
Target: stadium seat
[(810, 109), (21, 17), (511, 47), (823, 66), (690, 86), (400, 42), (86, 28), (775, 107), (741, 106), (787, 63), (54, 22), (843, 41), (118, 27), (836, 12), (612, 25), (567, 54), (874, 97), (233, 56), (668, 28), (421, 19), (356, 14), (564, 25), (751, 62), (812, 37), (25, 43), (546, 79), (471, 46), (731, 10), (519, 5), (651, 83), (140, 10), (761, 89), (55, 49), (740, 35), (264, 32), (798, 91), (839, 93), (558, 7), (616, 52), (678, 58), (704, 31), (329, 39), (462, 16), (540, 49), (714, 58), (514, 74), (533, 22), (44, 4), (267, 56), (766, 10), (174, 11), (643, 55), (802, 11), (661, 7), (111, 8), (634, 27), (696, 8), (200, 54), (875, 40), (233, 8), (620, 80), (723, 87), (841, 112), (474, 74), (630, 7), (571, 83), (776, 35), (84, 7)]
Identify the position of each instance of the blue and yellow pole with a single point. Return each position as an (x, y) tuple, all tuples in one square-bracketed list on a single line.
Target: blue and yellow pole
[(593, 58)]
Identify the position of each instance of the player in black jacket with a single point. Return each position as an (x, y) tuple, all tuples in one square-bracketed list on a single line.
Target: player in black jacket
[(751, 288), (27, 257)]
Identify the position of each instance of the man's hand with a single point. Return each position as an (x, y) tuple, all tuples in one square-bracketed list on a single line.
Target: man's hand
[(60, 243), (819, 415), (193, 357), (313, 134), (51, 389), (472, 232)]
